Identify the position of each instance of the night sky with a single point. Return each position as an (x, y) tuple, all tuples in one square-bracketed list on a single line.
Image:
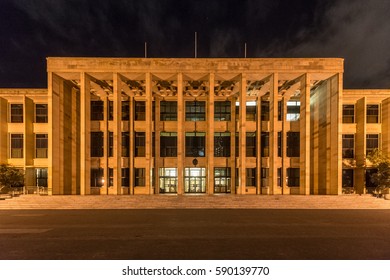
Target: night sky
[(357, 30)]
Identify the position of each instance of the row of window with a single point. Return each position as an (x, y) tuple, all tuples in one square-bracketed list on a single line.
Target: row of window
[(194, 110), (17, 146), (195, 144), (16, 113), (194, 178), (372, 113), (372, 142)]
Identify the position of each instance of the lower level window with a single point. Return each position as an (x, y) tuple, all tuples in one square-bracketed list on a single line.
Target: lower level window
[(222, 180), (41, 177), (139, 177), (16, 145), (347, 178), (293, 177), (97, 177), (125, 174), (251, 177), (168, 180)]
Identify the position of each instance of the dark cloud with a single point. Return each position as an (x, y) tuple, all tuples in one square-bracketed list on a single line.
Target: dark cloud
[(356, 30)]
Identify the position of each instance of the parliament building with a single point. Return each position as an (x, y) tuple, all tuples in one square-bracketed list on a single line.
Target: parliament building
[(130, 126)]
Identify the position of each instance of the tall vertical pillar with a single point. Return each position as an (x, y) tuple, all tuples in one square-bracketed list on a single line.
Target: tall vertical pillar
[(157, 163), (131, 145), (360, 145), (242, 136), (386, 126), (180, 134), (304, 128), (3, 131), (148, 135), (259, 147), (117, 134), (233, 128), (85, 120), (273, 133), (210, 136), (106, 183)]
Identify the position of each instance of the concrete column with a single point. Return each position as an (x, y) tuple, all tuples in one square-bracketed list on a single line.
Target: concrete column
[(117, 134), (157, 145), (273, 134), (148, 135), (242, 137), (131, 138), (259, 147), (210, 136), (360, 145), (233, 143), (105, 146), (54, 159), (386, 126), (85, 119), (285, 159), (304, 128), (75, 147), (180, 134), (29, 137)]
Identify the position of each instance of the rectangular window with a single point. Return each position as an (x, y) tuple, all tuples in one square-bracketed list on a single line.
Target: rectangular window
[(293, 144), (347, 180), (280, 143), (139, 144), (195, 144), (97, 110), (280, 110), (222, 110), (373, 113), (125, 144), (41, 145), (168, 144), (97, 177), (16, 113), (293, 177), (195, 110), (264, 177), (125, 110), (168, 180), (265, 110), (110, 110), (222, 180), (139, 177), (237, 144), (251, 177), (222, 144), (348, 113), (41, 177), (293, 110), (125, 175), (265, 144), (139, 111), (97, 142), (372, 142), (251, 111), (41, 113), (110, 144), (16, 145), (348, 145), (279, 178), (251, 144), (168, 111), (110, 177)]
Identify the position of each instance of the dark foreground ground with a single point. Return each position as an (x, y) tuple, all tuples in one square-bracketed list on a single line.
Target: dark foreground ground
[(195, 234)]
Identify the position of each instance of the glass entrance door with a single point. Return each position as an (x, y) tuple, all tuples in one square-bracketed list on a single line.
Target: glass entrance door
[(195, 180)]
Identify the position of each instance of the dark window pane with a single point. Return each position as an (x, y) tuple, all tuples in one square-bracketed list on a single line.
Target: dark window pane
[(16, 145), (348, 145), (140, 111), (372, 113), (348, 113), (41, 145), (41, 113), (97, 142), (293, 177), (195, 144), (251, 144), (139, 146), (222, 144), (168, 111), (293, 144), (97, 110), (222, 110), (16, 113), (139, 177), (168, 144), (125, 144), (195, 110)]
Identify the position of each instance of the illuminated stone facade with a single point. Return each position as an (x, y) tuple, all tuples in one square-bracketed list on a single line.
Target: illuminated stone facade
[(129, 126)]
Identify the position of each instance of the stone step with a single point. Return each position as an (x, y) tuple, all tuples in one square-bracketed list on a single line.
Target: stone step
[(195, 202)]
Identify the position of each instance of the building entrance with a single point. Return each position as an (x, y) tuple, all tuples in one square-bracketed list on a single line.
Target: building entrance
[(195, 180)]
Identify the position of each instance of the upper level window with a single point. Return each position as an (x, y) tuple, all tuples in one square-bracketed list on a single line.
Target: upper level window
[(251, 111), (372, 142), (293, 144), (125, 110), (97, 144), (125, 144), (251, 144), (41, 145), (168, 144), (265, 144), (139, 144), (140, 111), (265, 110), (280, 110), (348, 113), (41, 113), (16, 113), (222, 144), (16, 145), (195, 144), (168, 111), (293, 110), (348, 145), (222, 110), (195, 110), (110, 110), (373, 113), (97, 110)]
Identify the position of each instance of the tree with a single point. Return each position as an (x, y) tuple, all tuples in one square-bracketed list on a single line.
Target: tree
[(382, 163), (10, 177)]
